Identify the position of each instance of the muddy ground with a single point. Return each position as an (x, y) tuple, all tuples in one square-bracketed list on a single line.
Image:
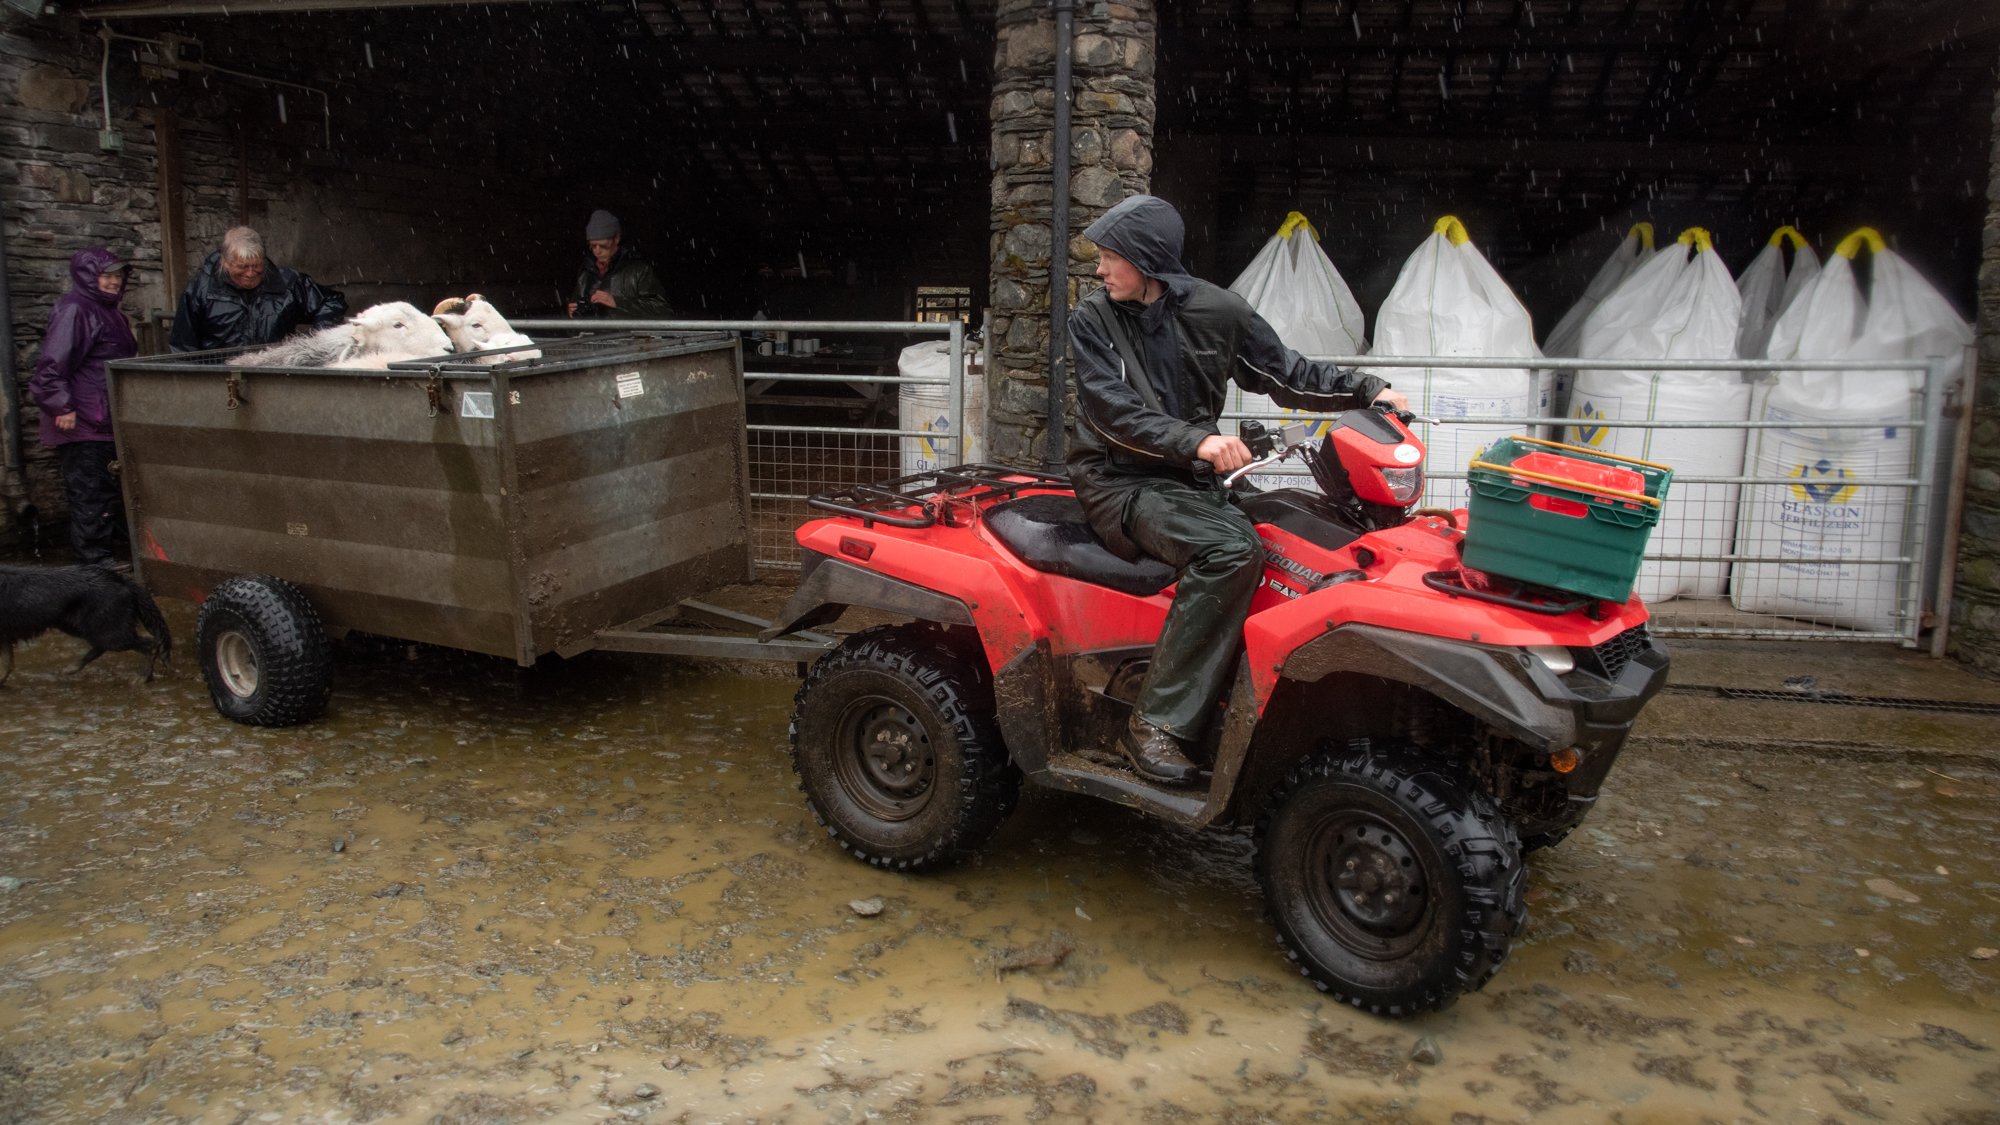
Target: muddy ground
[(593, 892)]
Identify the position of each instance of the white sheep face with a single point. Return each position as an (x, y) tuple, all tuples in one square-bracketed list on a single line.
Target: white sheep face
[(475, 325), (398, 328)]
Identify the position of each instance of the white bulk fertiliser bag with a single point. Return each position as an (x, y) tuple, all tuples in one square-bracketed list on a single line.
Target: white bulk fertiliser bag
[(1681, 304), (1567, 336), (1768, 288), (1825, 520), (1293, 285), (927, 407), (1448, 301)]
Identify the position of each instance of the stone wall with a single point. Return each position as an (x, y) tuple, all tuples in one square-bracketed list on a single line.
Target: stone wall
[(1975, 609), (1111, 157)]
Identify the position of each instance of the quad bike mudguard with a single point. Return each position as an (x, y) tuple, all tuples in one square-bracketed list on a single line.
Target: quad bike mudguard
[(827, 586), (1590, 709)]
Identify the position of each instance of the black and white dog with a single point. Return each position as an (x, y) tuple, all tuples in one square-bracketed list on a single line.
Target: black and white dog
[(90, 602)]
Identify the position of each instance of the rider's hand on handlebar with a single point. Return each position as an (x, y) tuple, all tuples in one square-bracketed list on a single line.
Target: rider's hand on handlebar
[(1394, 398), (1225, 453)]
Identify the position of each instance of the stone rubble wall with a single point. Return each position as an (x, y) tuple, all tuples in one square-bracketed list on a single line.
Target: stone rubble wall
[(378, 223), (1975, 608), (1111, 157)]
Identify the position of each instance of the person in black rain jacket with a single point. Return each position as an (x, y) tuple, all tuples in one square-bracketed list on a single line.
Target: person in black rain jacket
[(239, 298), (1156, 350)]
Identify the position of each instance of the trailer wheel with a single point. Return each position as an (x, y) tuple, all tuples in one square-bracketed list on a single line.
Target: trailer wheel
[(896, 748), (1391, 886), (266, 659)]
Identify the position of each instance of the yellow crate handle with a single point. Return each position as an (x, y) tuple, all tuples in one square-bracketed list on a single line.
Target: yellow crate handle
[(1851, 245), (1645, 233), (1791, 233), (1697, 237), (1592, 452), (1577, 485), (1453, 230), (1293, 223)]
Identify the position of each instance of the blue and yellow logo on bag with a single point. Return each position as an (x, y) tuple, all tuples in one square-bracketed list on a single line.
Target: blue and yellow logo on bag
[(936, 442), (1822, 482), (1592, 436)]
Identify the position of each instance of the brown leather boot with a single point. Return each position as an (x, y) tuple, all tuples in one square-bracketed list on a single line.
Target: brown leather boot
[(1155, 754)]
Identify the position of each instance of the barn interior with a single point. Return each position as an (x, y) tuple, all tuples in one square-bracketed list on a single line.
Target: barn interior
[(826, 159)]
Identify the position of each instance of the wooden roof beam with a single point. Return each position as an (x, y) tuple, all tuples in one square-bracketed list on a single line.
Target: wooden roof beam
[(1421, 153)]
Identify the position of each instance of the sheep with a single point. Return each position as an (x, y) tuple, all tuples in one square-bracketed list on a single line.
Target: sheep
[(375, 337), (474, 325)]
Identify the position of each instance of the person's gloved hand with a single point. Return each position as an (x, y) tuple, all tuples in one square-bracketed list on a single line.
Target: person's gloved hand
[(1225, 453)]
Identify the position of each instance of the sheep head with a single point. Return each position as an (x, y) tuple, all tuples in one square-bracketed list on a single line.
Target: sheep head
[(475, 325), (398, 328)]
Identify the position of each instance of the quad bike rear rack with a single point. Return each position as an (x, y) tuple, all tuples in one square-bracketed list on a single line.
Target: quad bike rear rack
[(918, 500)]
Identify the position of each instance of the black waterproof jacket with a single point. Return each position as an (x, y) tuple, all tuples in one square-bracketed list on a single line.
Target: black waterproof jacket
[(1152, 380), (630, 281), (215, 314)]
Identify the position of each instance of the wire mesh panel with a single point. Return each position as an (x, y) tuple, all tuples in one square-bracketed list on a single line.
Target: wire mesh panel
[(788, 464)]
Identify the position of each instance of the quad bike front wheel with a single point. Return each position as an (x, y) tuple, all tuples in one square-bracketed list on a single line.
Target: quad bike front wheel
[(895, 745), (266, 658), (1391, 885)]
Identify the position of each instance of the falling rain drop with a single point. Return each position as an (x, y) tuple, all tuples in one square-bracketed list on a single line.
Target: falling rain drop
[(282, 119), (951, 123), (368, 53), (1356, 17), (802, 265)]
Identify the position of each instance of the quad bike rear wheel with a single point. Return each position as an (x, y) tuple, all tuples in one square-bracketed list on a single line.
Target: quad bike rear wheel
[(1391, 885), (895, 745)]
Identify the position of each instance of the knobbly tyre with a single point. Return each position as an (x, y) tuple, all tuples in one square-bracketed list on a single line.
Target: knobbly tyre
[(1400, 732)]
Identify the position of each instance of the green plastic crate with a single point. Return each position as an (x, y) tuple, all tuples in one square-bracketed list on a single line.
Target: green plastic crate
[(1562, 516)]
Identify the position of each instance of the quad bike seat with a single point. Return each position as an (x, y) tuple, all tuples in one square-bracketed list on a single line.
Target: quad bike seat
[(1050, 533)]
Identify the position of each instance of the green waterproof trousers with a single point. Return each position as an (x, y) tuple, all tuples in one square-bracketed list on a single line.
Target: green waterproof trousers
[(1215, 548)]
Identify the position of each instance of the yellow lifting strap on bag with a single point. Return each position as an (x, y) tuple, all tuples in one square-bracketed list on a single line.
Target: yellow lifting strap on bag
[(1851, 245), (1293, 222), (1697, 237), (1645, 233), (1788, 231), (1453, 230)]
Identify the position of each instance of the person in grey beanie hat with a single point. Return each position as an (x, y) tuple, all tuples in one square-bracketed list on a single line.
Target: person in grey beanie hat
[(615, 280)]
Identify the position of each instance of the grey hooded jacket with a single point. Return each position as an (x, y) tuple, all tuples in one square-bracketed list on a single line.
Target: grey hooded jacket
[(1152, 380)]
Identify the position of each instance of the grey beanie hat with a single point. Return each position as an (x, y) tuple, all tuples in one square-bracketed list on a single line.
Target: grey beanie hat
[(602, 224)]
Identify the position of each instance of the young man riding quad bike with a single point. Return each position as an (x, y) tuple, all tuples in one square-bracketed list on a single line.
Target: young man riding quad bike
[(1398, 728)]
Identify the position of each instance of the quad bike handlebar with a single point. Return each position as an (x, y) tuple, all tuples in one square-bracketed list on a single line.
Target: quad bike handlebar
[(1272, 446)]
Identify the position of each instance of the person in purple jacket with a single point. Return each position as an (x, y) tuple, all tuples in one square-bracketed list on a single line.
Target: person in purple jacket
[(86, 331)]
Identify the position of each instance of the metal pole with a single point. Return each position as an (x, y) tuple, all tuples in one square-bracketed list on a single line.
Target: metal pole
[(955, 393), (1918, 525), (1059, 241)]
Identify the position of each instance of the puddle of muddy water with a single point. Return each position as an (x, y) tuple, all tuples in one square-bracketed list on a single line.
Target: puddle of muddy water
[(594, 892)]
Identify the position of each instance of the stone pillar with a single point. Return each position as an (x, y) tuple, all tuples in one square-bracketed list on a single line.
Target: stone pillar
[(1111, 157), (1975, 608)]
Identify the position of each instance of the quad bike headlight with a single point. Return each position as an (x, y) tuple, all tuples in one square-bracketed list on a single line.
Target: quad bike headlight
[(1404, 484)]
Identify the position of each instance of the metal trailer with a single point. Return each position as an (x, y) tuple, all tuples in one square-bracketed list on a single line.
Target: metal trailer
[(559, 502)]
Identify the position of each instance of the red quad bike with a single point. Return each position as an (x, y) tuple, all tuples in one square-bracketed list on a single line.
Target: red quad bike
[(1400, 730)]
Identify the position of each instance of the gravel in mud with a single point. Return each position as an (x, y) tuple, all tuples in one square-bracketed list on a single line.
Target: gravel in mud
[(594, 892)]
